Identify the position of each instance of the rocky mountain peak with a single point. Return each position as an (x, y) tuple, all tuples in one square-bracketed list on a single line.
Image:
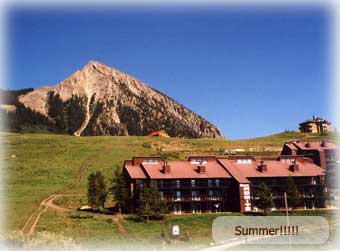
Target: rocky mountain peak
[(114, 103)]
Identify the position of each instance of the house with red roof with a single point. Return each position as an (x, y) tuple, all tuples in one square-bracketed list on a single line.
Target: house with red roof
[(323, 153), (211, 184), (159, 133)]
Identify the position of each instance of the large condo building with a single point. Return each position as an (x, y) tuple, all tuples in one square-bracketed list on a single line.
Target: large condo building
[(211, 184)]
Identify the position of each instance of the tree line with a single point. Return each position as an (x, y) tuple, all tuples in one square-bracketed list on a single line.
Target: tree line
[(150, 203), (265, 199)]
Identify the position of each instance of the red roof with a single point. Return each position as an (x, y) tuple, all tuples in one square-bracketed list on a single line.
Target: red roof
[(240, 168), (178, 170), (276, 167), (135, 172), (313, 145), (161, 133), (185, 170), (235, 172)]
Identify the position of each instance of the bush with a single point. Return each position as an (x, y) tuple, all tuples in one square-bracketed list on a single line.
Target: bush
[(147, 145), (135, 218)]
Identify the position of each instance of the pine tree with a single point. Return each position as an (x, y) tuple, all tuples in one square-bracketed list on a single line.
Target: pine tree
[(265, 200), (119, 190), (56, 110), (151, 203), (75, 111), (293, 194), (91, 191), (101, 189), (96, 190)]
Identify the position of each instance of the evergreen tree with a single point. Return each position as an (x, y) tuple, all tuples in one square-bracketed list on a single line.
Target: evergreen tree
[(293, 195), (56, 111), (91, 191), (151, 203), (265, 200), (96, 190), (119, 190), (75, 110), (101, 189)]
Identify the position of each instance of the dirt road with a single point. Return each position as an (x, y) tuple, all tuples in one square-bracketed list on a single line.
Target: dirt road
[(47, 202)]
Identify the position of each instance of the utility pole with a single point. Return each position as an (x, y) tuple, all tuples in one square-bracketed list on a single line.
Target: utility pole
[(287, 216), (286, 205)]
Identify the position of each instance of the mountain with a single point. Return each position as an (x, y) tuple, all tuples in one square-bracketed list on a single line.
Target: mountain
[(100, 100)]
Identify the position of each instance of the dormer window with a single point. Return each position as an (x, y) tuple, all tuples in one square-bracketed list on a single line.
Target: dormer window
[(150, 161), (287, 160), (198, 161), (244, 161)]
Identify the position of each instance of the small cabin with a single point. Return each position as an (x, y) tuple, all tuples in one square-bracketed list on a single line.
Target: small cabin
[(160, 133)]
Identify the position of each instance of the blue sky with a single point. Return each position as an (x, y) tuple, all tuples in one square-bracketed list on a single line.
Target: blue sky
[(252, 72)]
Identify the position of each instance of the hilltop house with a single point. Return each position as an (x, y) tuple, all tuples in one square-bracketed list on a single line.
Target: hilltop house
[(211, 184), (316, 125)]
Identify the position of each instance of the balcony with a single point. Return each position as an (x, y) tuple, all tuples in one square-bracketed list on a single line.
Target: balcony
[(197, 186), (193, 199), (281, 197)]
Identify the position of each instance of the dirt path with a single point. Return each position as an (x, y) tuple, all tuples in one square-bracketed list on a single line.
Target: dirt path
[(118, 220), (47, 202)]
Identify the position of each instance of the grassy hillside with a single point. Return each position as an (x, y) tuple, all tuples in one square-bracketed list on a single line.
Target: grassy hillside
[(41, 164)]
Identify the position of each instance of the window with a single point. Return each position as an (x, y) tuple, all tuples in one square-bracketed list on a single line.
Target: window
[(217, 182), (283, 160), (150, 161), (199, 161), (178, 195), (244, 161), (196, 208), (192, 183), (210, 184), (178, 183), (313, 181), (161, 194), (140, 184), (177, 209), (194, 161), (195, 195)]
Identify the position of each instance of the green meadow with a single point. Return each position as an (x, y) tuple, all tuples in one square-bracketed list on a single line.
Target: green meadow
[(42, 164)]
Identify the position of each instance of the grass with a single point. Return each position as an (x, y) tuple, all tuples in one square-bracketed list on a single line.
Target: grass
[(41, 164), (86, 230), (100, 230), (71, 202)]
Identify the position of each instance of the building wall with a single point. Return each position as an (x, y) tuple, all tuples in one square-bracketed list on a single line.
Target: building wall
[(195, 195), (227, 194), (315, 127), (327, 160), (311, 189)]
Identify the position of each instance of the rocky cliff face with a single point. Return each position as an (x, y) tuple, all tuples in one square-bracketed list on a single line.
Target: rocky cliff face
[(109, 102)]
